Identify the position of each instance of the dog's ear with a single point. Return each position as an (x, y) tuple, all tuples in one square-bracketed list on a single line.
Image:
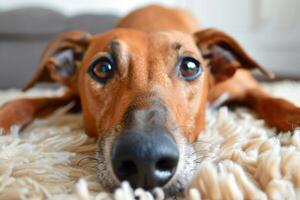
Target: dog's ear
[(61, 59), (225, 55)]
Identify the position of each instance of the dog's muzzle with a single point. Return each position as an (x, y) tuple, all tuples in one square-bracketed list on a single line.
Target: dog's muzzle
[(146, 158), (147, 150)]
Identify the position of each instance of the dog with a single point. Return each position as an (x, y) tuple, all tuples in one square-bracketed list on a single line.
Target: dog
[(143, 88)]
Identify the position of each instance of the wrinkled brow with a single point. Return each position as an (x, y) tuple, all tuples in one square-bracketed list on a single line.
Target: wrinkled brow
[(118, 50), (177, 46)]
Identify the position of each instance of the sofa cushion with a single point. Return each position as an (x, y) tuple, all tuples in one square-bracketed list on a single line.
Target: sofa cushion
[(31, 21)]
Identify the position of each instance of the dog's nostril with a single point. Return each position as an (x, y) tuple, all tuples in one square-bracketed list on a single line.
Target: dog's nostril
[(166, 164), (165, 168), (127, 168)]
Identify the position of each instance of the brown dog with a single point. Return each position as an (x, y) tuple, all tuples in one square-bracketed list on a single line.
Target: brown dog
[(143, 88)]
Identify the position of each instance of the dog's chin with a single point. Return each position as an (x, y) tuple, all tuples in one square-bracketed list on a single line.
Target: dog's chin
[(185, 170)]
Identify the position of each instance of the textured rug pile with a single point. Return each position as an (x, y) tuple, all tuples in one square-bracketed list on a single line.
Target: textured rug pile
[(244, 159)]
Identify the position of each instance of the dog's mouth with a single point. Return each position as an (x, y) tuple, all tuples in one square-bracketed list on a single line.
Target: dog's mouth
[(149, 160)]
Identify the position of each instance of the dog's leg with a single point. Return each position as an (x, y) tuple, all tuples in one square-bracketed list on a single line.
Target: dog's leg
[(23, 111), (278, 112), (244, 88)]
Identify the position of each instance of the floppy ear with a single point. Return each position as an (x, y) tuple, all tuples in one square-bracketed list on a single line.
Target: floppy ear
[(59, 63), (61, 59), (225, 54)]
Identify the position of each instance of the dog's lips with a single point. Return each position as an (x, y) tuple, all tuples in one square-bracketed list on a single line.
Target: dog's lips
[(105, 174), (185, 168)]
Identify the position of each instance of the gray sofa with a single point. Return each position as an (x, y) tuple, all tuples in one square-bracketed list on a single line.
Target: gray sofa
[(24, 33)]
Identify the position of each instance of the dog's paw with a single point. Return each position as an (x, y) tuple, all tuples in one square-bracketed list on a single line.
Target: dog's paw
[(280, 113), (6, 121), (12, 114), (292, 120)]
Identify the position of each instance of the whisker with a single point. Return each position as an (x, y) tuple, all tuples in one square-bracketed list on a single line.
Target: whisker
[(201, 150), (181, 126), (194, 169), (91, 167), (85, 158), (200, 141), (205, 156), (200, 160)]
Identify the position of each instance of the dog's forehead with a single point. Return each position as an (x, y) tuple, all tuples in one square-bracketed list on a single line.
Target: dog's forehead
[(136, 41), (172, 39)]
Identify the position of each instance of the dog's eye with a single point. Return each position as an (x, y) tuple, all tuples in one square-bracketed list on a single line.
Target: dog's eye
[(189, 68), (102, 69)]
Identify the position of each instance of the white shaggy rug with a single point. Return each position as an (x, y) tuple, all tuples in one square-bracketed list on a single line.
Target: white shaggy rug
[(243, 158)]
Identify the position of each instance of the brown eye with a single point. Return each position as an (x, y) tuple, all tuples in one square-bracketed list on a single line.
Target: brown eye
[(189, 68), (102, 69)]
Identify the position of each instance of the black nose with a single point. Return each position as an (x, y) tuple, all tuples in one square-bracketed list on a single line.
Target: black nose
[(146, 159)]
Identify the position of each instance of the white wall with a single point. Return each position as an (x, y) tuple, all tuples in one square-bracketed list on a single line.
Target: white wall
[(72, 7), (268, 29)]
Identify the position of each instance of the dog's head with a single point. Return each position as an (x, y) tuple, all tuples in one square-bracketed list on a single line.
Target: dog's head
[(144, 96)]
